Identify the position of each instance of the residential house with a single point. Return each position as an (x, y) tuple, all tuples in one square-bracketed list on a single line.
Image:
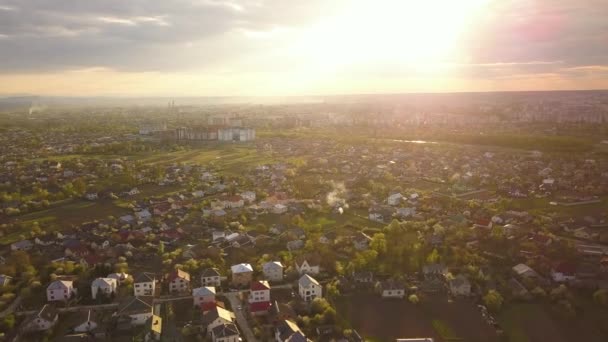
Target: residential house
[(44, 240), (43, 320), (225, 332), (434, 271), (524, 271), (106, 286), (211, 277), (179, 281), (395, 199), (242, 274), (287, 331), (309, 288), (279, 209), (154, 329), (88, 325), (60, 290), (204, 297), (392, 289), (91, 196), (23, 245), (328, 238), (361, 241), (563, 272), (295, 245), (143, 215), (216, 317), (233, 202), (144, 284), (138, 310), (120, 277), (259, 297), (364, 278), (5, 280), (307, 265), (460, 286), (273, 271), (248, 196)]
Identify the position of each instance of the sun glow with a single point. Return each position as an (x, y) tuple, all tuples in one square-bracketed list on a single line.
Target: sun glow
[(408, 32)]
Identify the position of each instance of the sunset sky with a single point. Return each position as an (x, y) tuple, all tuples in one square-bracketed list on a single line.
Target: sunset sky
[(300, 47)]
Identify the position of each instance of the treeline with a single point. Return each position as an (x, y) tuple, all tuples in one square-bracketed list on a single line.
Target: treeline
[(528, 142)]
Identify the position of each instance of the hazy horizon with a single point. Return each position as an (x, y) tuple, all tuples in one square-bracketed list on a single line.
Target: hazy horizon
[(227, 48)]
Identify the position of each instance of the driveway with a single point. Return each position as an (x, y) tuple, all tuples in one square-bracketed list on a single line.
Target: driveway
[(241, 320)]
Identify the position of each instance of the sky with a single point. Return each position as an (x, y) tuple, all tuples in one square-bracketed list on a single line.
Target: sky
[(295, 47)]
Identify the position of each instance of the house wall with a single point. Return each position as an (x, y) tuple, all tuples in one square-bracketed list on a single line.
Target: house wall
[(144, 289), (140, 319), (40, 324), (86, 326), (307, 269), (198, 300), (259, 296), (218, 321), (227, 339), (273, 273), (211, 281), (310, 293), (393, 293), (179, 285), (241, 279), (57, 295)]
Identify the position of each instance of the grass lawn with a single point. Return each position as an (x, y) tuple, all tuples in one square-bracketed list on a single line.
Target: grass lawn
[(444, 330), (535, 322), (386, 320)]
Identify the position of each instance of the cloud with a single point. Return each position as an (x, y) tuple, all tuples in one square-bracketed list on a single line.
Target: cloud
[(510, 39)]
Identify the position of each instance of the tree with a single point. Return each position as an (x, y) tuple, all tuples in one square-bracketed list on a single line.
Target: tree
[(433, 257), (493, 300), (413, 299), (378, 243), (601, 297)]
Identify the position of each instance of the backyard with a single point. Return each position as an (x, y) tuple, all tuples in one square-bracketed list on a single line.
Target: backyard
[(380, 319)]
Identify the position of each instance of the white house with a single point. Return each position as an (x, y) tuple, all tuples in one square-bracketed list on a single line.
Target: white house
[(138, 309), (143, 215), (563, 272), (303, 266), (211, 277), (394, 199), (216, 317), (106, 286), (45, 319), (287, 330), (524, 271), (120, 277), (241, 274), (460, 286), (392, 289), (248, 196), (144, 284), (273, 270), (23, 245), (60, 290), (279, 208), (309, 288), (179, 281), (88, 325), (203, 295), (227, 332)]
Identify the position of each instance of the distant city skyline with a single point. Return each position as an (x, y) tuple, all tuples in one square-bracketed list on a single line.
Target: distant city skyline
[(314, 47)]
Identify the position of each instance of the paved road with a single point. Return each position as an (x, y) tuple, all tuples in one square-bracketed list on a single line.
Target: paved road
[(241, 320)]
